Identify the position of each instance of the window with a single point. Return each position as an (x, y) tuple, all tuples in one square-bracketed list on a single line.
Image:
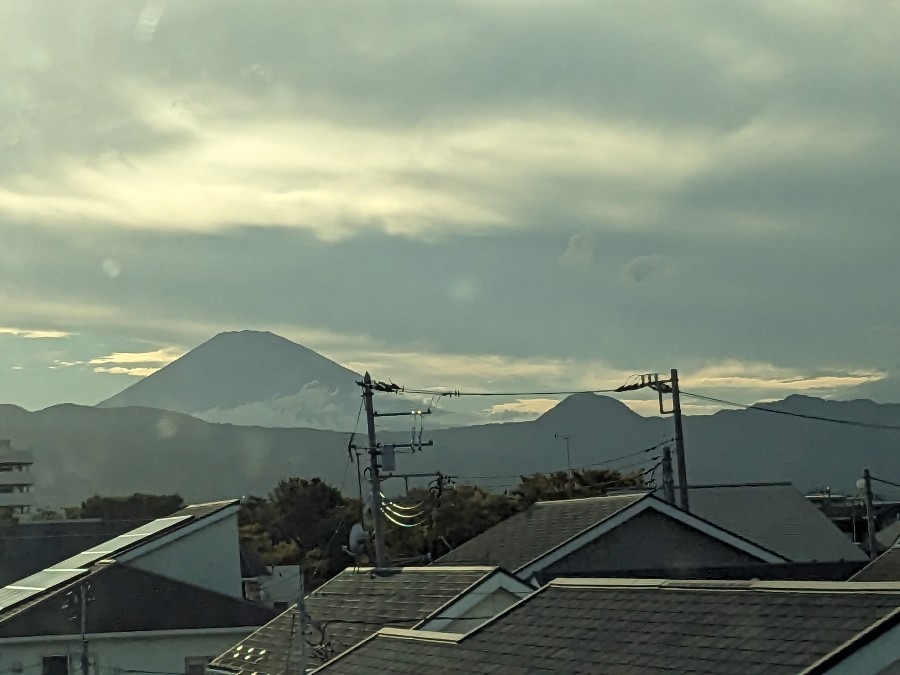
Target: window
[(196, 665), (55, 665)]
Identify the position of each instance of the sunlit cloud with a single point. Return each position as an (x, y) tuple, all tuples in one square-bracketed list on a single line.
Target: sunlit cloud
[(32, 334), (159, 356), (527, 408), (121, 370), (734, 374)]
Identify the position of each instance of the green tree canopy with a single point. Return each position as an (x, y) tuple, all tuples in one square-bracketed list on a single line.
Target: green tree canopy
[(134, 507)]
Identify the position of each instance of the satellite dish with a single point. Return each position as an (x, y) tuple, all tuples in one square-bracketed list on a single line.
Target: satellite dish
[(358, 538)]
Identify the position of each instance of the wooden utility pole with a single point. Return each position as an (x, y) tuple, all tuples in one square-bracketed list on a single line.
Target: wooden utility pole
[(301, 610), (661, 387), (870, 512), (83, 600), (377, 519), (668, 478), (679, 442)]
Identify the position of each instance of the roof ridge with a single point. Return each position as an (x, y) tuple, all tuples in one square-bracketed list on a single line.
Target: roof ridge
[(727, 584), (595, 498)]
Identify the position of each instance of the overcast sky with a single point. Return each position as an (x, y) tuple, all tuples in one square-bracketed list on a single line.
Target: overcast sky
[(470, 194)]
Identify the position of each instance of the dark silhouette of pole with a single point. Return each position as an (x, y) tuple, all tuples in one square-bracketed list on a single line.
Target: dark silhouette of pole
[(85, 660), (870, 512), (668, 478), (679, 443), (378, 522)]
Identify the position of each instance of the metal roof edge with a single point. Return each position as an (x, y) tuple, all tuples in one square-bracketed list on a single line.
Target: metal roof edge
[(413, 634), (724, 584), (873, 632)]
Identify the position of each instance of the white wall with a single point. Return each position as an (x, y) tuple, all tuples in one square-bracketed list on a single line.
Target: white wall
[(881, 657), (209, 557), (161, 653), (282, 586)]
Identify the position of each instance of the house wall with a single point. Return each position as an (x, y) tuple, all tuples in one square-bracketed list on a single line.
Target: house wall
[(649, 540), (163, 653), (209, 557), (282, 586), (481, 612)]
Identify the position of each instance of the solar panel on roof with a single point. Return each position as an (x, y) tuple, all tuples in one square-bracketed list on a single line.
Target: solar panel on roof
[(46, 579), (76, 561), (156, 526), (77, 565), (115, 546), (36, 584)]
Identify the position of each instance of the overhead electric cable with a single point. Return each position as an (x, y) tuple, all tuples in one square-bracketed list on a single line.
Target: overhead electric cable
[(579, 468), (886, 482), (456, 393)]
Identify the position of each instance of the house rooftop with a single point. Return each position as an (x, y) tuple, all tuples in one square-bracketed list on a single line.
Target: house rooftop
[(627, 626), (773, 516), (886, 567), (349, 608), (528, 535), (126, 599), (44, 583), (776, 516)]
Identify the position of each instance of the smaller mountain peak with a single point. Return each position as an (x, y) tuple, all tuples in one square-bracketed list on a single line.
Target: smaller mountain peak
[(587, 406)]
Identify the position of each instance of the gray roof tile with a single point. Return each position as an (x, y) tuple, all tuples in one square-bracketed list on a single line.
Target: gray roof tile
[(348, 609), (775, 517), (885, 567), (779, 629), (528, 535)]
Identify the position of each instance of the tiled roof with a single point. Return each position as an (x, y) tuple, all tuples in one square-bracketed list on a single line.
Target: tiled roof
[(776, 517), (347, 609), (885, 567), (124, 599), (528, 535), (888, 535), (642, 627)]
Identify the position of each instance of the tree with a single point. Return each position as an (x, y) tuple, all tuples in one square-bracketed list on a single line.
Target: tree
[(302, 522), (134, 507)]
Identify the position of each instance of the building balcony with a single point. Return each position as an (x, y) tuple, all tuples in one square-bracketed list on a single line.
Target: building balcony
[(25, 477), (16, 499), (10, 456)]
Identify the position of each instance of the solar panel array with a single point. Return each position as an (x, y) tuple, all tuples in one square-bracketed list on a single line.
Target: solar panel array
[(78, 566)]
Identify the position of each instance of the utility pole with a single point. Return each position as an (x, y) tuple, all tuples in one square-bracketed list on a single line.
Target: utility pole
[(301, 609), (670, 386), (83, 599), (679, 442), (668, 479), (566, 438), (870, 512), (380, 554)]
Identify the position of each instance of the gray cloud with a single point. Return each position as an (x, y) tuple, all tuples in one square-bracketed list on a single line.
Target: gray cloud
[(580, 250), (647, 268), (223, 165)]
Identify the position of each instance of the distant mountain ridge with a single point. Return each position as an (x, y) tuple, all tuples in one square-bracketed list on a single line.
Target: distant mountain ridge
[(249, 377), (80, 451)]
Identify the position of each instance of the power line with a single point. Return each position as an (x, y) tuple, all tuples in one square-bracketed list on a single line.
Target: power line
[(607, 483), (886, 482), (788, 413), (580, 468), (458, 394)]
